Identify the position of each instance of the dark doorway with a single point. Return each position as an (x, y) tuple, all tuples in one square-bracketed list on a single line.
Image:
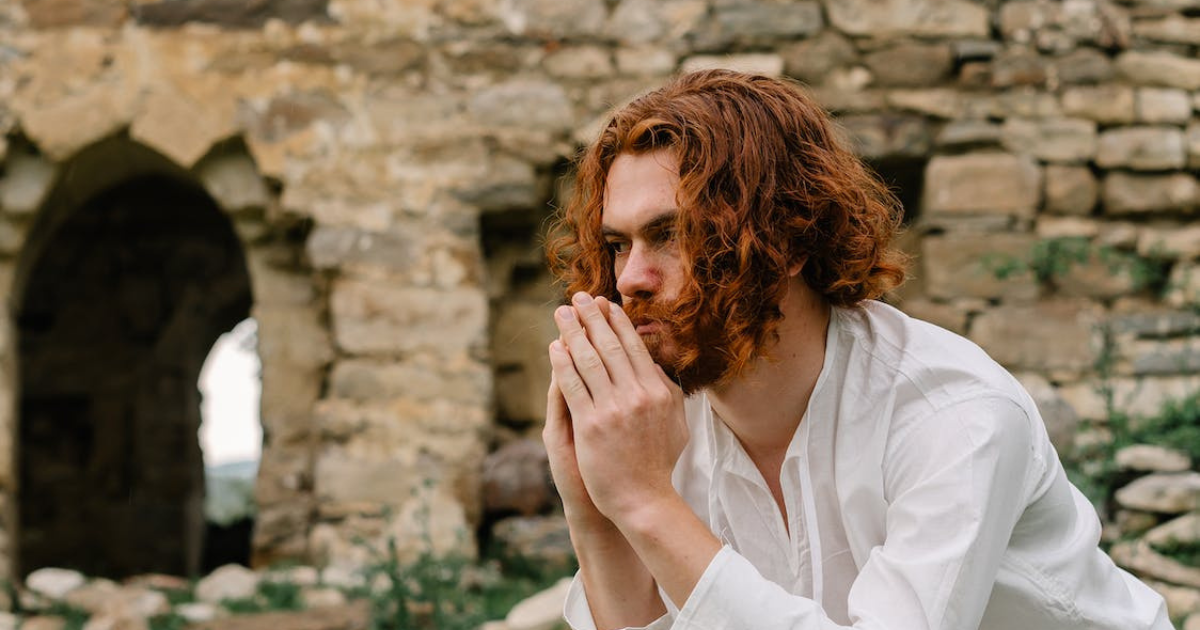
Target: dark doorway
[(119, 312)]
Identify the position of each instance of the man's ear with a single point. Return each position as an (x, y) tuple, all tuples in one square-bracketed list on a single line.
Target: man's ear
[(797, 266)]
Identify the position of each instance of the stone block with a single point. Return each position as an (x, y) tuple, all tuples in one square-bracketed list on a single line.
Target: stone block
[(910, 64), (1183, 285), (579, 62), (757, 63), (63, 126), (1157, 323), (1049, 335), (1128, 193), (375, 318), (1105, 104), (52, 14), (1070, 140), (1083, 66), (1019, 66), (1161, 69), (987, 183), (645, 61), (1152, 458), (25, 184), (333, 247), (969, 134), (1060, 419), (167, 13), (231, 581), (420, 377), (1163, 105), (554, 19), (811, 60), (543, 611), (1170, 242), (1173, 356), (938, 103), (948, 316), (922, 18), (1142, 148), (524, 103), (1181, 600), (1171, 29), (879, 136), (516, 479), (1099, 277), (968, 265), (1070, 190), (1169, 493), (1137, 397), (178, 126), (342, 477), (1192, 139), (234, 182), (54, 583), (757, 24), (637, 22)]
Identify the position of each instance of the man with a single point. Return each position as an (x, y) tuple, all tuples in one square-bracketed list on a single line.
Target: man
[(744, 437)]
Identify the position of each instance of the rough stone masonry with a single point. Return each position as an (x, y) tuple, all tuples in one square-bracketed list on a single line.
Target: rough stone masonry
[(369, 179)]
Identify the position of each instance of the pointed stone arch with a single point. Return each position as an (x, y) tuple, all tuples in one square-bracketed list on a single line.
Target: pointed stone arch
[(127, 270)]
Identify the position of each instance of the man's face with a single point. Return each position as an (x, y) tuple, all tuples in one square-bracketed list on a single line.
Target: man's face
[(638, 222), (639, 225)]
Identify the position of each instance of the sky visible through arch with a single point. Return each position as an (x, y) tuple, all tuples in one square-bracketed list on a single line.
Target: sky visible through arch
[(231, 387)]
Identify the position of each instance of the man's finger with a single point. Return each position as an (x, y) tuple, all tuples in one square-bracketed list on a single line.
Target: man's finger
[(635, 348), (599, 331), (574, 392), (589, 367)]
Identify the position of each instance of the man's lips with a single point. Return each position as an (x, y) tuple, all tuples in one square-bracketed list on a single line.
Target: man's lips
[(647, 327)]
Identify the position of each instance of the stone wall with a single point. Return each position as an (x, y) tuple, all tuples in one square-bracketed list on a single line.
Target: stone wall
[(388, 167)]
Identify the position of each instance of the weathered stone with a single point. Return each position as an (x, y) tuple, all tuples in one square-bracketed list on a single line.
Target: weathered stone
[(516, 479), (811, 60), (46, 14), (1183, 286), (43, 622), (910, 64), (1070, 190), (1152, 458), (645, 61), (969, 133), (1142, 148), (982, 183), (1098, 277), (1170, 242), (545, 540), (322, 597), (1163, 105), (335, 246), (1133, 522), (1052, 227), (62, 127), (939, 103), (969, 265), (1176, 356), (1159, 69), (1126, 193), (54, 583), (1193, 145), (1064, 339), (1136, 397), (1172, 493), (231, 581), (25, 184), (645, 21), (1156, 324), (375, 318), (418, 378), (1083, 66), (948, 316), (758, 23), (177, 126), (1105, 104), (353, 615), (167, 13), (950, 18), (197, 612), (234, 182), (1051, 140), (579, 62), (1140, 558), (523, 103), (542, 611), (1173, 29), (554, 19), (1019, 21), (768, 64), (887, 136), (1018, 67), (1182, 529)]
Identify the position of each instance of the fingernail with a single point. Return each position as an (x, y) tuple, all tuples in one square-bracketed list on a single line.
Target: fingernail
[(583, 298), (565, 313), (556, 346)]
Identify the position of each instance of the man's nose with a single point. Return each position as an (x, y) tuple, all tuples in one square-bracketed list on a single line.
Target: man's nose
[(638, 274)]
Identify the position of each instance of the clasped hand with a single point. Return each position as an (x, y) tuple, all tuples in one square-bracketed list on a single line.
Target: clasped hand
[(623, 426)]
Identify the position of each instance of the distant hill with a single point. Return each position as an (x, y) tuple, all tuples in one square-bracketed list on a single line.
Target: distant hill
[(230, 492)]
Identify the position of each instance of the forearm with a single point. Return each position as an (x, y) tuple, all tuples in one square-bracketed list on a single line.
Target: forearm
[(672, 543), (620, 590)]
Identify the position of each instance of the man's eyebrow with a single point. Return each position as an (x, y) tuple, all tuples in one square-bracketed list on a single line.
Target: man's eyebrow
[(662, 220)]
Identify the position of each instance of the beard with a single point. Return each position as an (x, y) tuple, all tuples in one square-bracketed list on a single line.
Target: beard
[(668, 348)]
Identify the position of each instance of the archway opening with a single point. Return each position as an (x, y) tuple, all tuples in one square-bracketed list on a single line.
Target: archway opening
[(231, 443), (118, 314)]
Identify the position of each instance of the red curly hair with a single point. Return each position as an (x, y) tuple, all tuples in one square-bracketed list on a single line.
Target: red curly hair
[(765, 184)]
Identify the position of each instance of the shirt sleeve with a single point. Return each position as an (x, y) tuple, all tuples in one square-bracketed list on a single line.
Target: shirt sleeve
[(956, 483)]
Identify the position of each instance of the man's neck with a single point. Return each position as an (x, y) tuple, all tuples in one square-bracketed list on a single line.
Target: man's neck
[(764, 407)]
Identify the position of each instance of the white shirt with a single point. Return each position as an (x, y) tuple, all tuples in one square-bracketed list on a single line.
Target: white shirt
[(922, 493)]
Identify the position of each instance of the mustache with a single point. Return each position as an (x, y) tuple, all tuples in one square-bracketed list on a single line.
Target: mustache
[(642, 311)]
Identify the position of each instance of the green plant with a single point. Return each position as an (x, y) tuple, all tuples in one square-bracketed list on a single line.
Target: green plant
[(1051, 259), (271, 596), (167, 621), (73, 618), (1185, 551)]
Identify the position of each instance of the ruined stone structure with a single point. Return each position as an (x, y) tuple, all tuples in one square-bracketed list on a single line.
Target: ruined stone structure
[(369, 179)]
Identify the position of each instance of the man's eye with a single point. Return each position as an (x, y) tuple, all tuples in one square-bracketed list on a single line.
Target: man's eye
[(618, 248)]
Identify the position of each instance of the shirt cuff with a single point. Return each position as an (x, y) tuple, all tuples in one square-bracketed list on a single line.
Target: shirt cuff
[(578, 613), (731, 594)]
